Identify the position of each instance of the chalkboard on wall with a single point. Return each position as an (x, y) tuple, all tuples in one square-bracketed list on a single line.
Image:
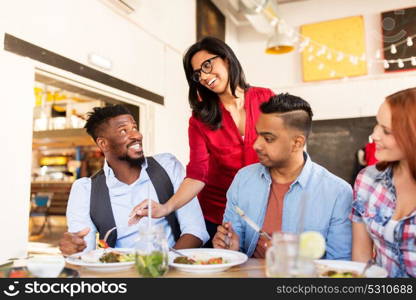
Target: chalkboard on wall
[(334, 144)]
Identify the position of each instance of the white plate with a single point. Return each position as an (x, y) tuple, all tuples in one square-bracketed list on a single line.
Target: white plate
[(99, 266), (343, 265), (232, 258)]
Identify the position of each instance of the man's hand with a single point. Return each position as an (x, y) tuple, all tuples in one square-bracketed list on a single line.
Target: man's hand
[(226, 238), (73, 242), (142, 210)]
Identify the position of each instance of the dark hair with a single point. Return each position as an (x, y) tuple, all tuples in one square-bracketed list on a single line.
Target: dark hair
[(294, 111), (403, 125), (100, 115), (207, 108)]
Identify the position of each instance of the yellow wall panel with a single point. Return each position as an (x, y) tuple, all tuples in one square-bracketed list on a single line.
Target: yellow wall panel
[(344, 36)]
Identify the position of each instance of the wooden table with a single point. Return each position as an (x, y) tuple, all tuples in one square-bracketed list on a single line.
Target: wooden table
[(253, 268)]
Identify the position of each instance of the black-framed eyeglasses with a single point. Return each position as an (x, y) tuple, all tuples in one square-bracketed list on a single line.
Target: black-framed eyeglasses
[(206, 67)]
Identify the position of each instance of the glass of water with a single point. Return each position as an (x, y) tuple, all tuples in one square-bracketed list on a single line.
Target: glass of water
[(283, 260)]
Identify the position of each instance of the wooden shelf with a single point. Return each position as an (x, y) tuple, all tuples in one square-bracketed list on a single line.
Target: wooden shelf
[(62, 138)]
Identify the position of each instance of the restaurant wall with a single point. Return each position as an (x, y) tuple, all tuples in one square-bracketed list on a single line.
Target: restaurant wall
[(17, 101), (344, 98), (146, 50), (143, 48)]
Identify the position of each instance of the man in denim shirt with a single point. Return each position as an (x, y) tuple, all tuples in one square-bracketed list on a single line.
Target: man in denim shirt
[(271, 192)]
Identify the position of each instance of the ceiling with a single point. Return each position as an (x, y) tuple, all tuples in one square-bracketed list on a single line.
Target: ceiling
[(242, 12), (287, 1)]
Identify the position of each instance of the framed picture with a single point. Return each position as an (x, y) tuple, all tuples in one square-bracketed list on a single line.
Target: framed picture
[(398, 27), (209, 20), (336, 51)]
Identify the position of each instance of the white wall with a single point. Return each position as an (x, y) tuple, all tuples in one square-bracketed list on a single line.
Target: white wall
[(173, 117), (359, 96), (146, 50), (15, 153), (138, 46)]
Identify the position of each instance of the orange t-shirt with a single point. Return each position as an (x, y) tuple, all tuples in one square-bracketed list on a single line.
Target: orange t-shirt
[(273, 218)]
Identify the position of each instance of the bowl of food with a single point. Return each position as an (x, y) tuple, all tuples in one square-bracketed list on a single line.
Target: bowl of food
[(347, 269), (46, 266)]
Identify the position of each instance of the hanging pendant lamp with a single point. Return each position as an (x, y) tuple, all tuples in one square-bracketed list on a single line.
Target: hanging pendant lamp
[(279, 43)]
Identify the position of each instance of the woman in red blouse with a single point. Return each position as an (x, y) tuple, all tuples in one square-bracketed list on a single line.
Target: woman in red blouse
[(221, 129)]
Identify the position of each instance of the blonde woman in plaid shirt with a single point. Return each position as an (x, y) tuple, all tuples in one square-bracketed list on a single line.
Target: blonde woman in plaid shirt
[(384, 206)]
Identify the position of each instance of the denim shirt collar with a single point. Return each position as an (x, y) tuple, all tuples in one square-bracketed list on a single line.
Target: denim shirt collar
[(303, 177)]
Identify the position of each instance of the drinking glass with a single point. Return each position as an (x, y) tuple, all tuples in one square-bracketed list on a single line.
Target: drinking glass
[(152, 252), (282, 258)]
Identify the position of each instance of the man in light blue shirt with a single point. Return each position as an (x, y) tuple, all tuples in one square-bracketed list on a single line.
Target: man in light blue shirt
[(127, 179), (283, 128)]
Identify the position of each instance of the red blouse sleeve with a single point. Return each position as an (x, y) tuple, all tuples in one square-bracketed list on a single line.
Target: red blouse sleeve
[(197, 167)]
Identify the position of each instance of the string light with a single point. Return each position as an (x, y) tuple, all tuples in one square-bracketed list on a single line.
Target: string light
[(393, 49), (321, 51), (273, 22), (400, 63), (258, 9), (340, 56), (311, 45), (306, 41), (353, 59)]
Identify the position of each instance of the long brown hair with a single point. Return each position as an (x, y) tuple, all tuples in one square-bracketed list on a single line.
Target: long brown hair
[(204, 102), (403, 122)]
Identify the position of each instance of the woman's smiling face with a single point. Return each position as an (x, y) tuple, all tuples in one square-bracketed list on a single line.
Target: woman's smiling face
[(387, 148), (217, 80)]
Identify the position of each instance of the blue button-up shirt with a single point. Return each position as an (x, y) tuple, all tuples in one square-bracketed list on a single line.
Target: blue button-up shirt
[(124, 197), (327, 208)]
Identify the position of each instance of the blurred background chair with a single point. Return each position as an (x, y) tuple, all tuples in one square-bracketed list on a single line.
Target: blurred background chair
[(40, 203)]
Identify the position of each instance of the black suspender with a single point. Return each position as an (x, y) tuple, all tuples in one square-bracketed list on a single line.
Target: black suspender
[(164, 190)]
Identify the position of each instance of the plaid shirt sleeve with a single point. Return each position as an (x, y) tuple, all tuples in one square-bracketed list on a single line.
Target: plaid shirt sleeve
[(358, 206)]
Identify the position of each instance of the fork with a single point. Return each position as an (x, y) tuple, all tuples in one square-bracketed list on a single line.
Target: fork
[(177, 252), (251, 223), (107, 234)]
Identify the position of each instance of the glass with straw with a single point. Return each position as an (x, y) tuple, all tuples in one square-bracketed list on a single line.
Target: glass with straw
[(151, 247)]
